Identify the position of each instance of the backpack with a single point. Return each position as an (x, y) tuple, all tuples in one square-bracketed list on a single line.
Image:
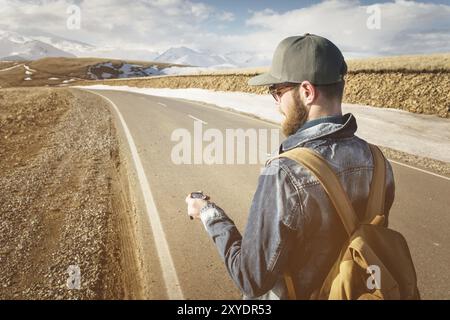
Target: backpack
[(374, 262)]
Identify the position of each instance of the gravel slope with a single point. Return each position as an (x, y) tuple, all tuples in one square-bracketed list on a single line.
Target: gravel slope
[(61, 203)]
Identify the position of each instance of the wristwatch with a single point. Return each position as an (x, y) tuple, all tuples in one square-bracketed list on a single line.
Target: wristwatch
[(199, 195)]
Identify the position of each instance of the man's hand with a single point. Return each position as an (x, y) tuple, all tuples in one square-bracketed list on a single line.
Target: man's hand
[(194, 206)]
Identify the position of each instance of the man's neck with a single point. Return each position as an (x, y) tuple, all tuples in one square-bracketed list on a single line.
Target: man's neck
[(320, 111)]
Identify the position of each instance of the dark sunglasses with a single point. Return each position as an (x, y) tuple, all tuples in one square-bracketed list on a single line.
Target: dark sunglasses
[(278, 90)]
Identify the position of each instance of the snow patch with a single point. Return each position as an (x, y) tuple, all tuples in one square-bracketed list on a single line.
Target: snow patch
[(27, 68)]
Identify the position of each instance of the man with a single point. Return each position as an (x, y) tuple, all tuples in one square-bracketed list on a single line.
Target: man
[(292, 226)]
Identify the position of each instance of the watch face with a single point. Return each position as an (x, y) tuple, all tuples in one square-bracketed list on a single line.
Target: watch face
[(197, 195)]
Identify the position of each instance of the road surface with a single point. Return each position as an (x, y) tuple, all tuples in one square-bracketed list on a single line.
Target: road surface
[(420, 211)]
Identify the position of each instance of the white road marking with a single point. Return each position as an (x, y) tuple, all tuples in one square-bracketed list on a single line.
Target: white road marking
[(421, 170), (162, 104), (197, 119), (171, 281)]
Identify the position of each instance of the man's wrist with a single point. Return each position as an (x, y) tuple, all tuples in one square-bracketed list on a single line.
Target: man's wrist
[(210, 212)]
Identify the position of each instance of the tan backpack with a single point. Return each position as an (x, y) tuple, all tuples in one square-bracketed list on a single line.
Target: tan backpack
[(375, 262)]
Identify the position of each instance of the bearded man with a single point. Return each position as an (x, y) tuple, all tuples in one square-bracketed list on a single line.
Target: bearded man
[(293, 228)]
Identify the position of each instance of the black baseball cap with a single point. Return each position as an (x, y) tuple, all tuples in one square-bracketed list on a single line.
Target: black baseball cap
[(304, 58)]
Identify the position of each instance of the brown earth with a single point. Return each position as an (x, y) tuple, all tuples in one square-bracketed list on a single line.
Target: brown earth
[(61, 68), (64, 199), (424, 92)]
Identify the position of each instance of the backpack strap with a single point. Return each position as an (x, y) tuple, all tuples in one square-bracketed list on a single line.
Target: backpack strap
[(330, 182), (375, 203)]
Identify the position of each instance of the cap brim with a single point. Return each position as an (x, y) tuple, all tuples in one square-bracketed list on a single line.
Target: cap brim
[(264, 79)]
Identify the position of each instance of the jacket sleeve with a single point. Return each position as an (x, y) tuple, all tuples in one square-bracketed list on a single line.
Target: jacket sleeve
[(390, 192), (255, 260)]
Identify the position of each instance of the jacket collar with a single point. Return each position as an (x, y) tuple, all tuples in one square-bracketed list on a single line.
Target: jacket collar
[(336, 126)]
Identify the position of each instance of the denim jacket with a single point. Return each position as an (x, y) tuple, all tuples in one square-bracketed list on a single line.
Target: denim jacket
[(292, 225)]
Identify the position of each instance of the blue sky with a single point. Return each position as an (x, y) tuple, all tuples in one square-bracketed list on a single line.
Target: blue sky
[(137, 28), (243, 9)]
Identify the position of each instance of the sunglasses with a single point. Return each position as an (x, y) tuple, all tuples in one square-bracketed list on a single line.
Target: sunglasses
[(277, 91)]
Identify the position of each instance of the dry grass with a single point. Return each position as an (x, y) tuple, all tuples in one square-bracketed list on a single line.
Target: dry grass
[(415, 63)]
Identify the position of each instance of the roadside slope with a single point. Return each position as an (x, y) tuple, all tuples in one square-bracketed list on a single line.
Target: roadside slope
[(62, 203)]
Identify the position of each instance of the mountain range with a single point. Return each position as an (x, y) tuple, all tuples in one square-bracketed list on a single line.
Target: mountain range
[(36, 45), (14, 46)]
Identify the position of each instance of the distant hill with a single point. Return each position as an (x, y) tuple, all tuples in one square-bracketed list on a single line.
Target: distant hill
[(14, 46), (62, 71)]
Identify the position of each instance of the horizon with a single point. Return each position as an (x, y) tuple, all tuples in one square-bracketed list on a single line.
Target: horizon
[(146, 29)]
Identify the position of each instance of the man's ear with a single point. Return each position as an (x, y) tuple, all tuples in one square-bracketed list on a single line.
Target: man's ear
[(308, 92)]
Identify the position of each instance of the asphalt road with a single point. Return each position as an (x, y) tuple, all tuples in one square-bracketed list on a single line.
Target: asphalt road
[(420, 211)]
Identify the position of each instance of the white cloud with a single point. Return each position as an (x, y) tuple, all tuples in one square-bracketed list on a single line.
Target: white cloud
[(226, 16), (159, 24), (405, 26), (155, 25)]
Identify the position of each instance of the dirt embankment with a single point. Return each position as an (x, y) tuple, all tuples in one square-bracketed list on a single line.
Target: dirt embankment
[(418, 92), (61, 204), (421, 92)]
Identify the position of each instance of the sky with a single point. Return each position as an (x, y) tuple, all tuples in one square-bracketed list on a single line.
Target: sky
[(359, 28)]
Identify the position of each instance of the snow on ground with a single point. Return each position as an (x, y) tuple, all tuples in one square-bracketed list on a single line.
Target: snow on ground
[(53, 78), (29, 72), (422, 135), (194, 70), (125, 70), (27, 68), (106, 75), (130, 71), (134, 70)]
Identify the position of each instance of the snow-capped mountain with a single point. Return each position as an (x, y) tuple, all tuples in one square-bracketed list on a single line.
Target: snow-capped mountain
[(247, 59), (83, 49), (67, 45), (187, 56), (35, 44), (15, 46)]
